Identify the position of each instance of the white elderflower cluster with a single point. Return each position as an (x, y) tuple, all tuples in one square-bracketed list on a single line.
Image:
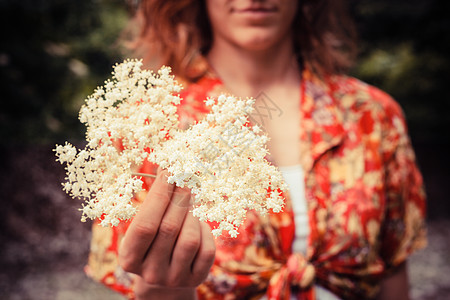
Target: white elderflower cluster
[(222, 160), (131, 114), (133, 117)]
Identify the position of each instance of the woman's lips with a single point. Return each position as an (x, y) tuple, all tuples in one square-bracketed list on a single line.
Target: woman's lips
[(256, 13), (257, 10)]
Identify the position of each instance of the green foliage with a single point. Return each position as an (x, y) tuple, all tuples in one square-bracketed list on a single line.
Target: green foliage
[(53, 53), (405, 51)]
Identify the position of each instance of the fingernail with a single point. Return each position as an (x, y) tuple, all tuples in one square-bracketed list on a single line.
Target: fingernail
[(181, 197)]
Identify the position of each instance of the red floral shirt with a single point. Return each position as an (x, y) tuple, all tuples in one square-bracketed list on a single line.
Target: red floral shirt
[(365, 196)]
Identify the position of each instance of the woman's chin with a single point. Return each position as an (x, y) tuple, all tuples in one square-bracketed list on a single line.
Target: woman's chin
[(257, 43)]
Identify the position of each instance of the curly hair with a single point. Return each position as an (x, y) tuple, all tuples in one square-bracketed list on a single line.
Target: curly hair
[(177, 33)]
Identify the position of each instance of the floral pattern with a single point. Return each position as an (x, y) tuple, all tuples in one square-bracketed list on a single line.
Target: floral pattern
[(365, 196)]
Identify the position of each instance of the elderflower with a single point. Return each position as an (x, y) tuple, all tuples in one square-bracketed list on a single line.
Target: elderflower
[(132, 112), (222, 160), (133, 117)]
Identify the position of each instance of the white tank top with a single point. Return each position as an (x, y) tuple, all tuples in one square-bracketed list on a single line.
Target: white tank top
[(294, 178)]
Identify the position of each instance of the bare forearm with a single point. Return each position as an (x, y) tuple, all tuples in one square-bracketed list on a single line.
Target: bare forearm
[(144, 291), (396, 285)]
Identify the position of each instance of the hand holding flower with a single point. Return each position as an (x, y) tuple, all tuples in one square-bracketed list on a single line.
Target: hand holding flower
[(133, 118), (169, 248)]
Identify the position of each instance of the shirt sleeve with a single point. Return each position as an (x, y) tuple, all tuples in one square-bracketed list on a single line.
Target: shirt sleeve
[(403, 230)]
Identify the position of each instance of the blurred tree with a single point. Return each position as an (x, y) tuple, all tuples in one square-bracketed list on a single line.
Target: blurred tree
[(405, 50), (52, 54)]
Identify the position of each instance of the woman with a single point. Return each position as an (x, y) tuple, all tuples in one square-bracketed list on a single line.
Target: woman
[(356, 196)]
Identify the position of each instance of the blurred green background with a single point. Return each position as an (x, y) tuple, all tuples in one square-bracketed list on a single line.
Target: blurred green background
[(53, 53)]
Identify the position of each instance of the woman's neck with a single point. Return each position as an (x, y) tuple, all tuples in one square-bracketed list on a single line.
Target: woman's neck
[(248, 72)]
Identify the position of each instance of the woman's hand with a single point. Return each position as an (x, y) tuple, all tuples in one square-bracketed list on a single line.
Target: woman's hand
[(169, 248)]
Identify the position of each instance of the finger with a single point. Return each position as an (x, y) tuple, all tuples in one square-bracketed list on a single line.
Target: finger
[(145, 224), (157, 261), (205, 256), (186, 249)]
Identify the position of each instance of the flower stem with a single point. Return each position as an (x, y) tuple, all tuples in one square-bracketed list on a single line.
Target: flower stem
[(143, 174)]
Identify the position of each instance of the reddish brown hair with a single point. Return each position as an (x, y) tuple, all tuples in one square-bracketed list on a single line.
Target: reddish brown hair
[(177, 33)]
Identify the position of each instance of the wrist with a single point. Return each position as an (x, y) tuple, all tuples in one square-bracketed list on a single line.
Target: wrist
[(167, 294), (144, 291)]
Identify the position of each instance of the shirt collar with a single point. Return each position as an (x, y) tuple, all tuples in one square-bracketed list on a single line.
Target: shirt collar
[(321, 122)]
